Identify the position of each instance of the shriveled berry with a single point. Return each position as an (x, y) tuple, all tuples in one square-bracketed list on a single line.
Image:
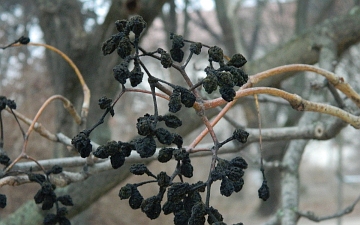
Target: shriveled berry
[(121, 72), (125, 192), (50, 219), (227, 93), (238, 184), (4, 159), (210, 82), (105, 102), (195, 48), (81, 143), (177, 40), (164, 136), (181, 217), (139, 169), (178, 140), (145, 125), (117, 160), (177, 54), (11, 104), (24, 40), (165, 59), (177, 191), (239, 162), (165, 154), (187, 98), (136, 24), (151, 207), (225, 79), (216, 54), (146, 146), (240, 135), (110, 44), (171, 121), (66, 200), (124, 47), (237, 60), (3, 101), (264, 191), (216, 214), (186, 169), (136, 75), (135, 199), (175, 101), (120, 25), (163, 179), (226, 187), (180, 154)]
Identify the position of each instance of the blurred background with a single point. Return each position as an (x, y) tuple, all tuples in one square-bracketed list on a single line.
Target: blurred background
[(259, 29)]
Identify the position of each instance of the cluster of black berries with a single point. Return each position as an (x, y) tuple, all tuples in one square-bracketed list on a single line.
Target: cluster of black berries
[(48, 198), (4, 159), (227, 76), (230, 173), (81, 143), (179, 96), (121, 41), (145, 146)]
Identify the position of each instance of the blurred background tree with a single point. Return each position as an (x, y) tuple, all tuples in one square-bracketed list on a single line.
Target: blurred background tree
[(267, 33)]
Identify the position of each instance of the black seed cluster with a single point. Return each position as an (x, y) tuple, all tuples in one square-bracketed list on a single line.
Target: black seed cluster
[(180, 96), (105, 103), (6, 102), (227, 76), (117, 151), (81, 143), (230, 173)]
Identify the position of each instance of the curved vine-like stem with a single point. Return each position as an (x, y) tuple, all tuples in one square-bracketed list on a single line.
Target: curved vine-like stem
[(296, 101), (86, 90), (67, 105)]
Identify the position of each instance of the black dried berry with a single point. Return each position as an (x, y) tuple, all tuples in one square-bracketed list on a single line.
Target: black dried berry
[(234, 173), (121, 72), (175, 101), (163, 179), (117, 160), (3, 101), (23, 40), (4, 159), (240, 135), (225, 79), (216, 54), (177, 54), (180, 154), (105, 102), (195, 48), (151, 207), (66, 200), (215, 213), (125, 192), (239, 162), (226, 187), (181, 217), (238, 184), (264, 191), (39, 178), (146, 146), (81, 143), (177, 41), (177, 191), (109, 149), (187, 98), (135, 199), (120, 25), (126, 148), (136, 75), (50, 219), (186, 169), (124, 47), (227, 93), (171, 121), (56, 169), (145, 125), (237, 60), (11, 104), (165, 59), (164, 136), (110, 44), (210, 82), (2, 201), (178, 140), (165, 154), (136, 24), (139, 169)]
